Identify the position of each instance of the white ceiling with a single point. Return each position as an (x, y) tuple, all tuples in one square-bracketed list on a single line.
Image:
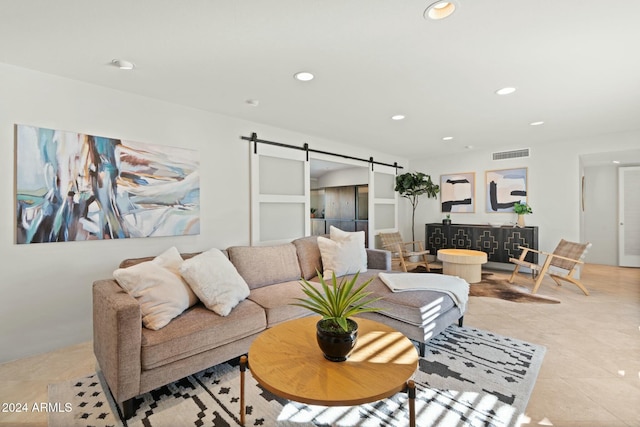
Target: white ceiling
[(575, 64)]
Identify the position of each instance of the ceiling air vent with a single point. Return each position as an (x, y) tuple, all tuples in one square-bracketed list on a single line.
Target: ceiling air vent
[(513, 154)]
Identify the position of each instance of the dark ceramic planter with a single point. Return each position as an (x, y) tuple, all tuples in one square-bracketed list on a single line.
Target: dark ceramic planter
[(336, 345), (446, 221)]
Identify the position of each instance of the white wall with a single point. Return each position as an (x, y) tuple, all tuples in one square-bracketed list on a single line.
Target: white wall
[(46, 288), (554, 183), (601, 213)]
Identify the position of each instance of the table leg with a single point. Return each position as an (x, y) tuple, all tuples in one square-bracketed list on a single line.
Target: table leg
[(411, 391), (243, 368)]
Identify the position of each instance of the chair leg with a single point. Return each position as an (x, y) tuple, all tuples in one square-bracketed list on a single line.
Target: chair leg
[(537, 284), (574, 281), (543, 271), (424, 257), (426, 263), (517, 268), (513, 275), (403, 265)]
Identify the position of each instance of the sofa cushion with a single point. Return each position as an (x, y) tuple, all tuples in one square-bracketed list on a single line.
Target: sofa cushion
[(276, 301), (199, 329), (158, 287), (340, 236), (341, 257), (265, 265), (215, 281), (309, 256)]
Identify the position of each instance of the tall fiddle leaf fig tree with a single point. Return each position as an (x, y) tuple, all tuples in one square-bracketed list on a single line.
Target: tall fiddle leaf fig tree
[(412, 185)]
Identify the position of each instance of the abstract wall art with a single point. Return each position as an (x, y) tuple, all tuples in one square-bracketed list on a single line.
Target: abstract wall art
[(504, 188), (72, 186), (457, 192)]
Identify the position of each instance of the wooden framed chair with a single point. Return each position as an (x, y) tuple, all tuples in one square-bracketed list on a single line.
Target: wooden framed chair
[(561, 264), (402, 252)]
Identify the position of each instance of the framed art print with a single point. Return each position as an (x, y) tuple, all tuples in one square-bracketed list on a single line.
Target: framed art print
[(457, 192), (504, 188)]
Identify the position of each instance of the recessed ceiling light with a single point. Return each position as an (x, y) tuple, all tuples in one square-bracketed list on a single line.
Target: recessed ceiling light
[(536, 123), (468, 147), (439, 10), (505, 91), (617, 162), (397, 117), (123, 65), (447, 138), (303, 76)]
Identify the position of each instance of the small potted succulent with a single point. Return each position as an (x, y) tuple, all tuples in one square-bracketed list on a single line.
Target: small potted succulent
[(521, 209), (447, 220), (336, 302)]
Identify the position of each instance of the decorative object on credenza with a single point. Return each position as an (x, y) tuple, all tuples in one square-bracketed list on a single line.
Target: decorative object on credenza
[(447, 220), (505, 187), (411, 186), (73, 186), (336, 303), (522, 209), (457, 192), (313, 212)]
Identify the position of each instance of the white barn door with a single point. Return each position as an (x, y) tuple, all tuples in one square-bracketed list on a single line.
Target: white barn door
[(280, 195), (383, 202), (629, 216)]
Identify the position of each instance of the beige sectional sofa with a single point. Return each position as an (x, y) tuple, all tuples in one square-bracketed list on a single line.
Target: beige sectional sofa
[(135, 360)]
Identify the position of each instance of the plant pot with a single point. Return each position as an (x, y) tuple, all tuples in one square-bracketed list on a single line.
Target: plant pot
[(335, 343), (446, 222), (521, 221)]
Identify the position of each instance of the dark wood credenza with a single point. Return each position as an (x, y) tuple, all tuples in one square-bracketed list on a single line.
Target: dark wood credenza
[(500, 243)]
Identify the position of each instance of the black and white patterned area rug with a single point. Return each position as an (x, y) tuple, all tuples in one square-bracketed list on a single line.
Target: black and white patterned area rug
[(469, 377)]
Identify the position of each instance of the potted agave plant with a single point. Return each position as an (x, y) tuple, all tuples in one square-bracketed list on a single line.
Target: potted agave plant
[(336, 302)]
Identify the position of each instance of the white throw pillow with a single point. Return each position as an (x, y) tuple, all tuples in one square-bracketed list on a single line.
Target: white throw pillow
[(339, 235), (158, 287), (340, 256), (215, 281)]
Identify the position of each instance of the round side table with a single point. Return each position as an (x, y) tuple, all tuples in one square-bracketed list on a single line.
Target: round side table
[(463, 263)]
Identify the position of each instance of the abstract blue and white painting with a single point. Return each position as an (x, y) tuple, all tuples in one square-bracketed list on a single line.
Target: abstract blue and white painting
[(505, 187), (72, 186)]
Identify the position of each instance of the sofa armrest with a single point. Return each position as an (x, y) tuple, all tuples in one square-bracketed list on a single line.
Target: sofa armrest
[(378, 259), (117, 338)]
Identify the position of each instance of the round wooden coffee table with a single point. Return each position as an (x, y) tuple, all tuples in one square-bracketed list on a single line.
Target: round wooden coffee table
[(287, 361), (463, 263)]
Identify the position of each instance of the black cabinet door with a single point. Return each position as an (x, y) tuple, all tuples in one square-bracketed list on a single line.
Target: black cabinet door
[(500, 243)]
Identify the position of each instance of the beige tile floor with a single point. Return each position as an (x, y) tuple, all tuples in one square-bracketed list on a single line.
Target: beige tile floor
[(590, 376)]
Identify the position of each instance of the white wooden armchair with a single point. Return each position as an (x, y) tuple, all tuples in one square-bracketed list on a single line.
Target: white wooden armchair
[(560, 265), (403, 252)]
